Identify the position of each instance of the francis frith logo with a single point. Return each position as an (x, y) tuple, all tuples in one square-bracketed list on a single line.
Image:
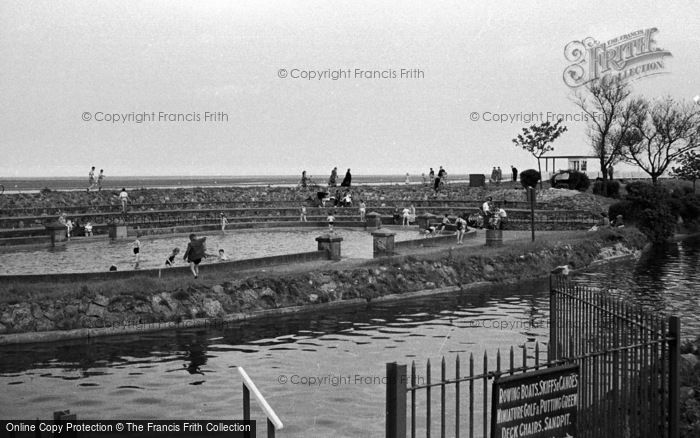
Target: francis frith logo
[(629, 57)]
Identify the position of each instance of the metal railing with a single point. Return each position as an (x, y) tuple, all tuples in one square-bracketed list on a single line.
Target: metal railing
[(273, 421), (629, 369)]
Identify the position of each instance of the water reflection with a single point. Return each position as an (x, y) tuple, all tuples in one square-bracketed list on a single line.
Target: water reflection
[(665, 279)]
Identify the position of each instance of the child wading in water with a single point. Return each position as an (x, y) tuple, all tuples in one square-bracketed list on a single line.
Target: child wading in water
[(137, 251), (330, 219), (222, 256), (224, 222), (170, 261), (194, 253)]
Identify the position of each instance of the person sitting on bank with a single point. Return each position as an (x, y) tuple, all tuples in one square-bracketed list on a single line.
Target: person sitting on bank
[(170, 261), (619, 222), (502, 218), (604, 222), (222, 256), (88, 229)]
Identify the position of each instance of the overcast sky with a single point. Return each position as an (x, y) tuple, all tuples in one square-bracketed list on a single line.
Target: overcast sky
[(62, 62)]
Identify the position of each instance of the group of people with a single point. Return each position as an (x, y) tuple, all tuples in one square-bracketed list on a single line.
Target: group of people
[(71, 226), (439, 180), (605, 222), (194, 254), (460, 223), (333, 179), (95, 182), (492, 217), (497, 174)]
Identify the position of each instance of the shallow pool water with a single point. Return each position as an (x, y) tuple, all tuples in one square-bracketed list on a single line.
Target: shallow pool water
[(99, 255)]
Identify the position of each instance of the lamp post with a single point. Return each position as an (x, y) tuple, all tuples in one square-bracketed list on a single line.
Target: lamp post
[(531, 192)]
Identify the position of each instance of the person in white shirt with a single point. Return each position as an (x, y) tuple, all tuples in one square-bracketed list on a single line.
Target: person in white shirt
[(124, 198), (91, 179), (502, 218), (88, 229), (486, 209), (363, 210), (302, 217), (406, 213)]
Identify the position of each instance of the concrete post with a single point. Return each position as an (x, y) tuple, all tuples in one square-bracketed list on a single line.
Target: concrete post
[(57, 232), (374, 219), (117, 231), (422, 220), (383, 244), (330, 244)]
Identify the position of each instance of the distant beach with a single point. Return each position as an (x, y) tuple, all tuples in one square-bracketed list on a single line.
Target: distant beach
[(34, 185)]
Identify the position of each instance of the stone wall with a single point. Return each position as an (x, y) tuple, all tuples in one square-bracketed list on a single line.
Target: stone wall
[(392, 275)]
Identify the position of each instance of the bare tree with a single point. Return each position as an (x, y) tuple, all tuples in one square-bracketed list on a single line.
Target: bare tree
[(537, 139), (605, 104), (662, 132)]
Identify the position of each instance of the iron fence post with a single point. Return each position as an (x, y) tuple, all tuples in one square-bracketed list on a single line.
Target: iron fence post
[(674, 359), (246, 407), (551, 347), (395, 400)]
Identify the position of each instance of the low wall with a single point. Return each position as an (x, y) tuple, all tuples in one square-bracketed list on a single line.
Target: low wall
[(165, 272), (442, 239)]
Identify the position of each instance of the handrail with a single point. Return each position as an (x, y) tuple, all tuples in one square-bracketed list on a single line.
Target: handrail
[(271, 415)]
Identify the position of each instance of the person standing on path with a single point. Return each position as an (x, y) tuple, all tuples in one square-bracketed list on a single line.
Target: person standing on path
[(347, 181), (499, 175), (431, 176), (333, 178), (91, 179), (515, 173), (124, 198), (100, 180), (302, 216), (363, 210)]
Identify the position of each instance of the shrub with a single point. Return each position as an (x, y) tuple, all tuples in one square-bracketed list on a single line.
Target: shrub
[(529, 178), (625, 208), (613, 188), (658, 224), (572, 179)]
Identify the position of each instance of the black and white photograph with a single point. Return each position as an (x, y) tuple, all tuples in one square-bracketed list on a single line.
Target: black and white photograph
[(340, 219)]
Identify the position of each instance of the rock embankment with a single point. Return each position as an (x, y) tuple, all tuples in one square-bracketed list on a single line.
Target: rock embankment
[(144, 300)]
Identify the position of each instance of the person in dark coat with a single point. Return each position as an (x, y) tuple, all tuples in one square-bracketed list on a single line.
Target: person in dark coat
[(347, 180), (196, 251)]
